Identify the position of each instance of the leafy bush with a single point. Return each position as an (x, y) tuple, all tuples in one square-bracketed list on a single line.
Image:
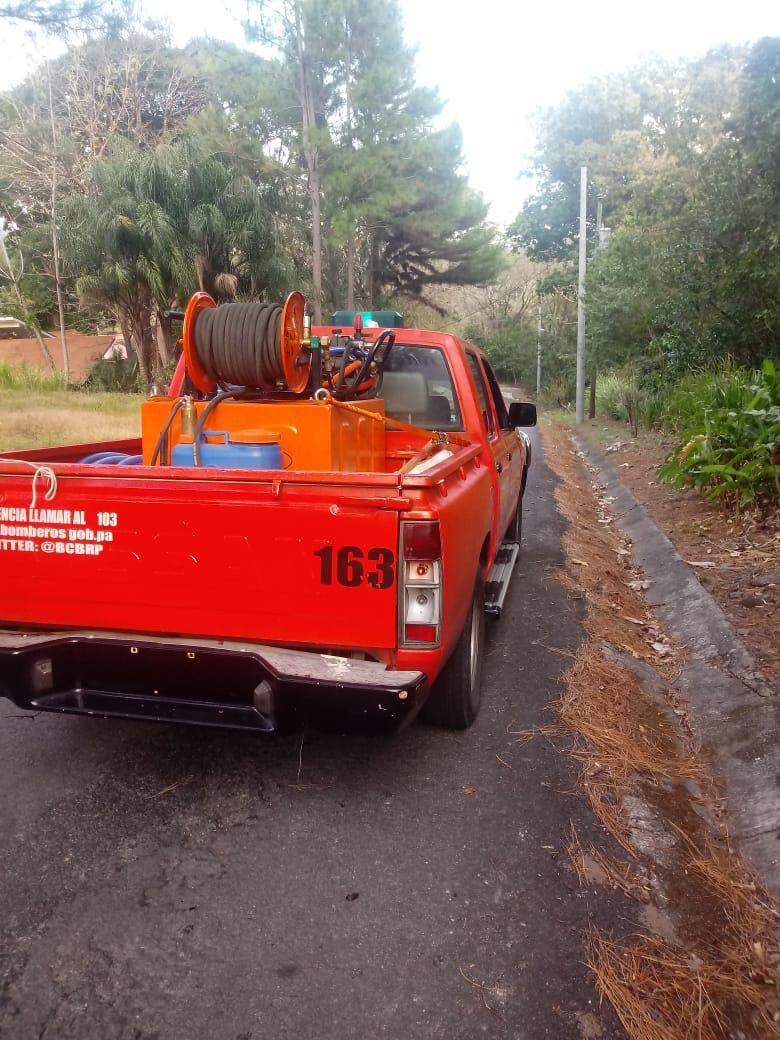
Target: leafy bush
[(729, 422), (652, 406), (695, 394), (25, 377), (610, 393), (558, 392), (511, 349), (38, 300), (113, 376)]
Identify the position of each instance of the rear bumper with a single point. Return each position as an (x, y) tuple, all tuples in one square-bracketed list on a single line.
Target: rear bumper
[(230, 685)]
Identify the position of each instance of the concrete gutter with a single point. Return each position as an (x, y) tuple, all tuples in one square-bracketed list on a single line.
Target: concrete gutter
[(730, 704)]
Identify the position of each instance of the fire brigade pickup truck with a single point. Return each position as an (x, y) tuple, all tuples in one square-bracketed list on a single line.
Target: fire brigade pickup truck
[(310, 530)]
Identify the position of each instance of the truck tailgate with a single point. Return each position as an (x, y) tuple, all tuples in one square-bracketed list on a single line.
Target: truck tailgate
[(312, 564)]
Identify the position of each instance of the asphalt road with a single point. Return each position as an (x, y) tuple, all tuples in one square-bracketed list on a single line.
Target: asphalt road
[(159, 883)]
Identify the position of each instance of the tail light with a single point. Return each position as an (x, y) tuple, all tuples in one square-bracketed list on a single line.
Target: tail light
[(420, 602)]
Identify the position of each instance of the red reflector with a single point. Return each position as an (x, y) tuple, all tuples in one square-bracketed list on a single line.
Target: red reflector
[(420, 634), (422, 540)]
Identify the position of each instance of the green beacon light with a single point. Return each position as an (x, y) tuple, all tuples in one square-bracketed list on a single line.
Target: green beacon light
[(371, 319)]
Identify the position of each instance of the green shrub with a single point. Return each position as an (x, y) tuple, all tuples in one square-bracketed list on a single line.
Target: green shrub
[(697, 393), (610, 394), (558, 392), (113, 376), (652, 407), (24, 377), (729, 426)]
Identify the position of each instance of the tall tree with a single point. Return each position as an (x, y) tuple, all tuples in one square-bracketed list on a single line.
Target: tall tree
[(55, 234), (58, 17), (626, 128), (13, 274), (153, 226), (385, 195), (393, 193), (299, 31), (126, 85), (687, 155)]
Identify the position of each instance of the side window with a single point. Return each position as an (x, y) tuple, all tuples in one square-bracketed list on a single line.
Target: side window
[(498, 397), (482, 394)]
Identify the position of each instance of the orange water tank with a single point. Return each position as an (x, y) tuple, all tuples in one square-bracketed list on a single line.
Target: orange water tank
[(312, 434)]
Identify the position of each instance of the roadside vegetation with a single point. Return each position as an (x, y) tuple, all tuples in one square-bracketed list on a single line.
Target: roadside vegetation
[(730, 436), (725, 423), (709, 969), (37, 410), (683, 326)]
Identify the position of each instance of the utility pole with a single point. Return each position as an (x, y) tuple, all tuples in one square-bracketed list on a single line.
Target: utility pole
[(599, 243), (580, 390), (539, 331)]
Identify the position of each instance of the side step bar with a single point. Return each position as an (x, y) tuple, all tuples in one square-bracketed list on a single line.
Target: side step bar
[(500, 575)]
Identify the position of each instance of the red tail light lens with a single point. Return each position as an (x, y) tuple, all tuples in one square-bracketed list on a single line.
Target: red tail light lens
[(422, 540), (420, 634)]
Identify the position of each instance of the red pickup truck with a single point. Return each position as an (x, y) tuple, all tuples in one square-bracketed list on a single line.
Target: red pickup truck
[(318, 592)]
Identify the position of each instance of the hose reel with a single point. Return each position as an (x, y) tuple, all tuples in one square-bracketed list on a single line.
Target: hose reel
[(253, 345), (262, 346)]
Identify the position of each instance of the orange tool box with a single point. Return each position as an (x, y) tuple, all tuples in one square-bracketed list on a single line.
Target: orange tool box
[(312, 435)]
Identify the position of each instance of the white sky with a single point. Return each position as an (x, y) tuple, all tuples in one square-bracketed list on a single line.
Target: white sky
[(497, 61)]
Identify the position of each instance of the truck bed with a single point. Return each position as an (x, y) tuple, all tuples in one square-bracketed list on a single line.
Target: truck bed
[(230, 554)]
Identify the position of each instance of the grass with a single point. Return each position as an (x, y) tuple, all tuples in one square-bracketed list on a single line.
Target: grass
[(38, 417), (25, 377), (560, 415)]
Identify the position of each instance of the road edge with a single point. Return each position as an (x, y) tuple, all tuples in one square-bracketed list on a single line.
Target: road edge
[(732, 709)]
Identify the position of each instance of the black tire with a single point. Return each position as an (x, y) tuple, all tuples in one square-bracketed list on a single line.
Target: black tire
[(514, 533), (455, 698)]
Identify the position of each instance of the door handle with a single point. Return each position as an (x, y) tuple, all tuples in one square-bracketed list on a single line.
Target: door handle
[(499, 468), (509, 456)]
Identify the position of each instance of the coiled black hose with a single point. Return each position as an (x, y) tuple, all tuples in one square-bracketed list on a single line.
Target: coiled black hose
[(239, 344)]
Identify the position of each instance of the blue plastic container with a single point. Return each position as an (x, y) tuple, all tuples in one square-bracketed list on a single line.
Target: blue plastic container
[(241, 449)]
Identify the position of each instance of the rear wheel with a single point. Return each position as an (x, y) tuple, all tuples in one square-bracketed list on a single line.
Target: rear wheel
[(454, 700), (515, 530)]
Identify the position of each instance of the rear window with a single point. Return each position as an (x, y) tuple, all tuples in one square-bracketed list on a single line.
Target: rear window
[(417, 388)]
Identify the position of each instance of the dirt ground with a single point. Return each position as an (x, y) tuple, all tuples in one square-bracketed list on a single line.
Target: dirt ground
[(736, 558), (703, 963)]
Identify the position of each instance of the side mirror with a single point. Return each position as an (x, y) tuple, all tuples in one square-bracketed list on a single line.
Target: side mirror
[(521, 413)]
